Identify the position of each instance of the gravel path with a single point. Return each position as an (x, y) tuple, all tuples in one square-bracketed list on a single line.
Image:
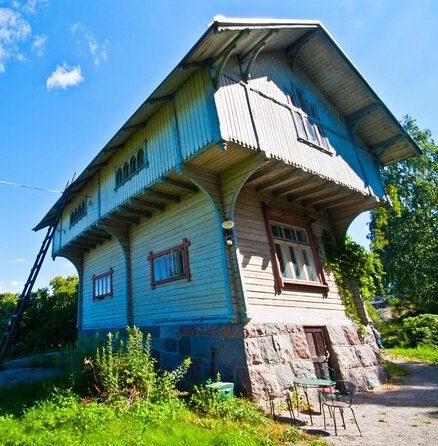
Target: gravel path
[(399, 414), (17, 371)]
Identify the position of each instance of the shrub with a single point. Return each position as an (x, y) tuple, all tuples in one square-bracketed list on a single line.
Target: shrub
[(421, 330), (126, 370)]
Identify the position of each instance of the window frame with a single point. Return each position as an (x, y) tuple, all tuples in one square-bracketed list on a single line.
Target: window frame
[(124, 171), (78, 213), (280, 217), (304, 113), (153, 256), (96, 277)]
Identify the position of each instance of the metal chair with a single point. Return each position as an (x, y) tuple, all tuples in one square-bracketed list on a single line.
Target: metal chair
[(341, 398), (273, 396), (325, 391)]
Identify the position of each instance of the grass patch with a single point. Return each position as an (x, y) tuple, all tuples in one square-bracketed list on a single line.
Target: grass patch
[(421, 353), (64, 419), (121, 398), (395, 369)]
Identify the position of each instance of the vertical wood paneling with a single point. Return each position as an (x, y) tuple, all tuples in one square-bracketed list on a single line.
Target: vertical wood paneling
[(160, 153), (191, 103), (67, 233), (268, 86), (106, 312), (204, 296)]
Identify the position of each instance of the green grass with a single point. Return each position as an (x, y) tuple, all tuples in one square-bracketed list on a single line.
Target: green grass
[(394, 369), (423, 354), (39, 415)]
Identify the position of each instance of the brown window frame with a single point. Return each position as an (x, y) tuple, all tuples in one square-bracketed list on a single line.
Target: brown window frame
[(281, 283), (184, 248), (96, 277)]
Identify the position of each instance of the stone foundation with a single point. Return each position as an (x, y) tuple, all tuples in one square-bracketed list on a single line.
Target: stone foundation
[(263, 358)]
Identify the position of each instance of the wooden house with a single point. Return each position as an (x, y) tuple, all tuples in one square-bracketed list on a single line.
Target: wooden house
[(201, 219)]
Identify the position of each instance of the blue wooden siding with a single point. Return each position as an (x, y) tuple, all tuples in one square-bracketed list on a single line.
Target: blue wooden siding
[(169, 141), (205, 295), (256, 118), (109, 311)]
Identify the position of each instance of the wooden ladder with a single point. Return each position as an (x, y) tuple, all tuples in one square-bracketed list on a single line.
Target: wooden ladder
[(27, 289)]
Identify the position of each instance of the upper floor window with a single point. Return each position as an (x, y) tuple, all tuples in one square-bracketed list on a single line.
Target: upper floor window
[(170, 264), (103, 285), (79, 212), (131, 166), (307, 122)]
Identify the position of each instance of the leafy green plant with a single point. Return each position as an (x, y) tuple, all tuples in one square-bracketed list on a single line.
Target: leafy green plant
[(352, 263), (126, 370), (421, 330), (207, 400)]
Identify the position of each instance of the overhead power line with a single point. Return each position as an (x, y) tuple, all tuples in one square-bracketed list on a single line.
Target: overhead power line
[(10, 183)]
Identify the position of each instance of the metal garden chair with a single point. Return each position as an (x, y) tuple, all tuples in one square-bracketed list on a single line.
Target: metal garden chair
[(341, 399), (325, 392)]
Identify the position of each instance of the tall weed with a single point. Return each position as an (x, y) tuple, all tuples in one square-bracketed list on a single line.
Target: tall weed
[(126, 370)]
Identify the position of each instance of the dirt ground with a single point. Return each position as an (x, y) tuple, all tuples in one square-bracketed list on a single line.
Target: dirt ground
[(399, 414)]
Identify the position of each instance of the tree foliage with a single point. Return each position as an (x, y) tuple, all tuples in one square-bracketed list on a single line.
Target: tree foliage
[(49, 321), (405, 235)]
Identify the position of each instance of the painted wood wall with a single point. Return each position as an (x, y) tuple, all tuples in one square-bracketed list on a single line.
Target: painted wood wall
[(256, 115), (254, 256), (205, 296), (110, 311), (169, 141)]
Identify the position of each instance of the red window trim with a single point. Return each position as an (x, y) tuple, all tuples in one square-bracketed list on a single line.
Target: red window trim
[(110, 272), (271, 214), (184, 247)]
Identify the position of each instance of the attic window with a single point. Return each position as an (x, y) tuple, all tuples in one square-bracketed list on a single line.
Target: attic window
[(307, 122), (131, 167), (79, 212)]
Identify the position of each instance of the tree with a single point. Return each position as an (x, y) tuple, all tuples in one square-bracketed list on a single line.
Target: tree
[(7, 305), (49, 321), (405, 236)]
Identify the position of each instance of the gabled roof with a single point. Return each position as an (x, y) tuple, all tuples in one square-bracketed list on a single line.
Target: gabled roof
[(308, 44)]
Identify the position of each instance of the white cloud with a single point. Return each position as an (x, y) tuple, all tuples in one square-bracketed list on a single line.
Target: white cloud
[(18, 260), (16, 283), (29, 6), (39, 44), (64, 77), (97, 51), (14, 30)]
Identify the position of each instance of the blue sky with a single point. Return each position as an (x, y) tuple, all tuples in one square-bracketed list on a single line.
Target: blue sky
[(72, 72)]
